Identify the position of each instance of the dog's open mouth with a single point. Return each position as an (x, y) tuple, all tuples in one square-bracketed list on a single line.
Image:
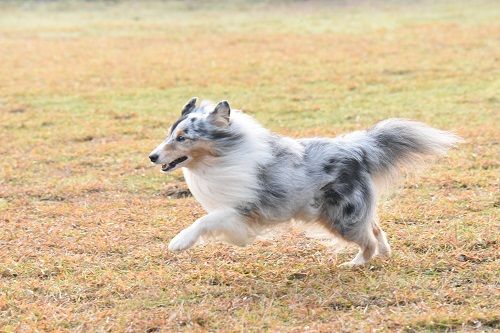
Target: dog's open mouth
[(173, 164)]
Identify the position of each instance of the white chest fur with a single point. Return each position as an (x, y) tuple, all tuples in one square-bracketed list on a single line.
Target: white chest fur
[(218, 187)]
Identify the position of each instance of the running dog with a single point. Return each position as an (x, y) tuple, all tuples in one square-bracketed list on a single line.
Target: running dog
[(249, 179)]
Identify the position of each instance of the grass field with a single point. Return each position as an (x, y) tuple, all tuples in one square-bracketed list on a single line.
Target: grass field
[(88, 89)]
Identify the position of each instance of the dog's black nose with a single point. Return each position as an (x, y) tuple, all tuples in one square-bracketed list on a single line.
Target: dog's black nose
[(153, 157)]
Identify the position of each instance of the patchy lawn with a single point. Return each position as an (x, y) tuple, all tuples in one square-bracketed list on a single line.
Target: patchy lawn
[(88, 89)]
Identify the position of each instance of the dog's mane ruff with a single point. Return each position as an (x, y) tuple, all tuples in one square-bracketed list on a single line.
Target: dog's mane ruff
[(229, 179)]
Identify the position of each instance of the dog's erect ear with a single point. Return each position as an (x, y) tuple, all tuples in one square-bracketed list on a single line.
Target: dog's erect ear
[(220, 115), (190, 106)]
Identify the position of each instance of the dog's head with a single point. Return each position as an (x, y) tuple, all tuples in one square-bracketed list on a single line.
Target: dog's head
[(193, 136)]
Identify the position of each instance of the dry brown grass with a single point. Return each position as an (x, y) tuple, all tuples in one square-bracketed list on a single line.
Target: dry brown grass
[(88, 89)]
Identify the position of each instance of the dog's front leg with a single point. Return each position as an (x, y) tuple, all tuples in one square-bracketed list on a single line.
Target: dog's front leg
[(224, 224)]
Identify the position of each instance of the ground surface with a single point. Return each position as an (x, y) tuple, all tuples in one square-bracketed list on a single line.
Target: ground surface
[(87, 90)]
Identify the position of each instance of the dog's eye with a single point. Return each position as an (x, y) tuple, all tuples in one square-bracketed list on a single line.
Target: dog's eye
[(180, 138)]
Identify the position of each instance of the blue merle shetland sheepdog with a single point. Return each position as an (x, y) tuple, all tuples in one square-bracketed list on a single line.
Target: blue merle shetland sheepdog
[(249, 179)]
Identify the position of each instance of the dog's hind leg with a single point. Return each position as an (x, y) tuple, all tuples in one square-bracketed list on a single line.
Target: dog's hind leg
[(224, 225), (361, 234), (365, 238), (383, 248), (355, 225)]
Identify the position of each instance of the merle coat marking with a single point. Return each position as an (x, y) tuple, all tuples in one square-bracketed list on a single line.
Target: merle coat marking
[(249, 179)]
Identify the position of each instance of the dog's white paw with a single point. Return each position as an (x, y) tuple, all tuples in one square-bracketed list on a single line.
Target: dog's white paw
[(347, 264), (183, 241), (352, 263)]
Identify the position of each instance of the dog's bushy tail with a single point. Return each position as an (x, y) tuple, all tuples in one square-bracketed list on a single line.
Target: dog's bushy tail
[(400, 143)]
